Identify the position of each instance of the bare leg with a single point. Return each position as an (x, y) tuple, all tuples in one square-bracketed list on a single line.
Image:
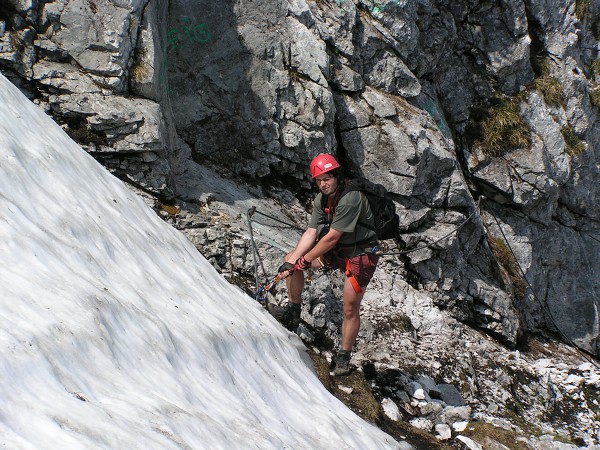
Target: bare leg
[(295, 284), (351, 322)]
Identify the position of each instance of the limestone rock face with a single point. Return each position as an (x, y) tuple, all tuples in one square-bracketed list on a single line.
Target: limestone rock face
[(507, 240), (85, 60)]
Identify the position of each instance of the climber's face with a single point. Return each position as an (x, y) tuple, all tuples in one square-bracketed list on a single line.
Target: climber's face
[(327, 183)]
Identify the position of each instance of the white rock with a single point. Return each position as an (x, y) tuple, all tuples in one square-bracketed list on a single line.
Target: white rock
[(453, 414), (415, 390), (470, 443), (527, 389), (542, 363), (460, 426), (444, 432), (431, 408), (390, 409), (346, 389), (492, 444), (422, 423), (574, 379), (492, 408)]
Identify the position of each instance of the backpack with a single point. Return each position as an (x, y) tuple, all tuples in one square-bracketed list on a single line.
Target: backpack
[(387, 222)]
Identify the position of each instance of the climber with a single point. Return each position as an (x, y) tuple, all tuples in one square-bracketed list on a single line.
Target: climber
[(339, 236)]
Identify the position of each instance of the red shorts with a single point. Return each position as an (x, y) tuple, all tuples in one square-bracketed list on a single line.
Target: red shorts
[(362, 267)]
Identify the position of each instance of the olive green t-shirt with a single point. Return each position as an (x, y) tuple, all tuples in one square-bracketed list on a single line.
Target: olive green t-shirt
[(352, 216)]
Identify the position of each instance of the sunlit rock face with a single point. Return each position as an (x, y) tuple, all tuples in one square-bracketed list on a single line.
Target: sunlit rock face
[(399, 91)]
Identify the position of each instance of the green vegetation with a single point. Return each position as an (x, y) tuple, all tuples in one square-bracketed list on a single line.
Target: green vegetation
[(574, 145), (596, 68), (595, 97), (360, 399), (581, 8), (171, 210), (82, 134), (545, 83), (540, 64), (400, 322), (551, 90), (480, 431), (596, 29), (503, 129), (139, 71), (506, 259), (359, 396)]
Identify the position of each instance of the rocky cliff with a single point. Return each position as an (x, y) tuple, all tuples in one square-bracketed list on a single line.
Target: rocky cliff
[(486, 111)]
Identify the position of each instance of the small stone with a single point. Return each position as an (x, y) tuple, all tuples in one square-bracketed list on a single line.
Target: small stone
[(492, 444), (453, 414), (346, 389), (542, 363), (451, 395), (431, 408), (402, 396), (460, 426), (574, 379), (390, 409), (427, 383), (444, 432), (415, 390), (422, 423), (470, 443), (492, 408)]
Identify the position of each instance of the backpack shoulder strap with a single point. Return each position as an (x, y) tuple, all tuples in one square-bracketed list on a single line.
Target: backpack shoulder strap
[(329, 210)]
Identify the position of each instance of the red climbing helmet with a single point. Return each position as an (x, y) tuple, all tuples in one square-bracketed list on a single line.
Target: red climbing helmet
[(321, 164)]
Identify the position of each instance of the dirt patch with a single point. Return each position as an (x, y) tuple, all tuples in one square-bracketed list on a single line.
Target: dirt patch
[(356, 393)]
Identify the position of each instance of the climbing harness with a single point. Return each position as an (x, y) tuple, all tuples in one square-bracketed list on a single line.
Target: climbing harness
[(352, 279), (268, 285)]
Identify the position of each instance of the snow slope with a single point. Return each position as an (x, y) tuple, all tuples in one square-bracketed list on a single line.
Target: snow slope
[(116, 333)]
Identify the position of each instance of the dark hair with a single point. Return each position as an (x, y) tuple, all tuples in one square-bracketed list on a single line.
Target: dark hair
[(338, 174)]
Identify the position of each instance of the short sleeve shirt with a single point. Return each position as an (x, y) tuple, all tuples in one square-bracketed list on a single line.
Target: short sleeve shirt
[(352, 216)]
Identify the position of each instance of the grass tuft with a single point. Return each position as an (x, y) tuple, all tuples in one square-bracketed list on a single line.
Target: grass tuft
[(573, 143), (139, 70), (481, 431), (506, 259), (171, 210), (551, 90), (596, 29), (540, 64), (596, 68), (83, 135), (503, 129), (595, 97), (581, 8)]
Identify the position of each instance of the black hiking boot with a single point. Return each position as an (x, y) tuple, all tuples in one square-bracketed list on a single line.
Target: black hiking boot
[(342, 363), (288, 315)]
